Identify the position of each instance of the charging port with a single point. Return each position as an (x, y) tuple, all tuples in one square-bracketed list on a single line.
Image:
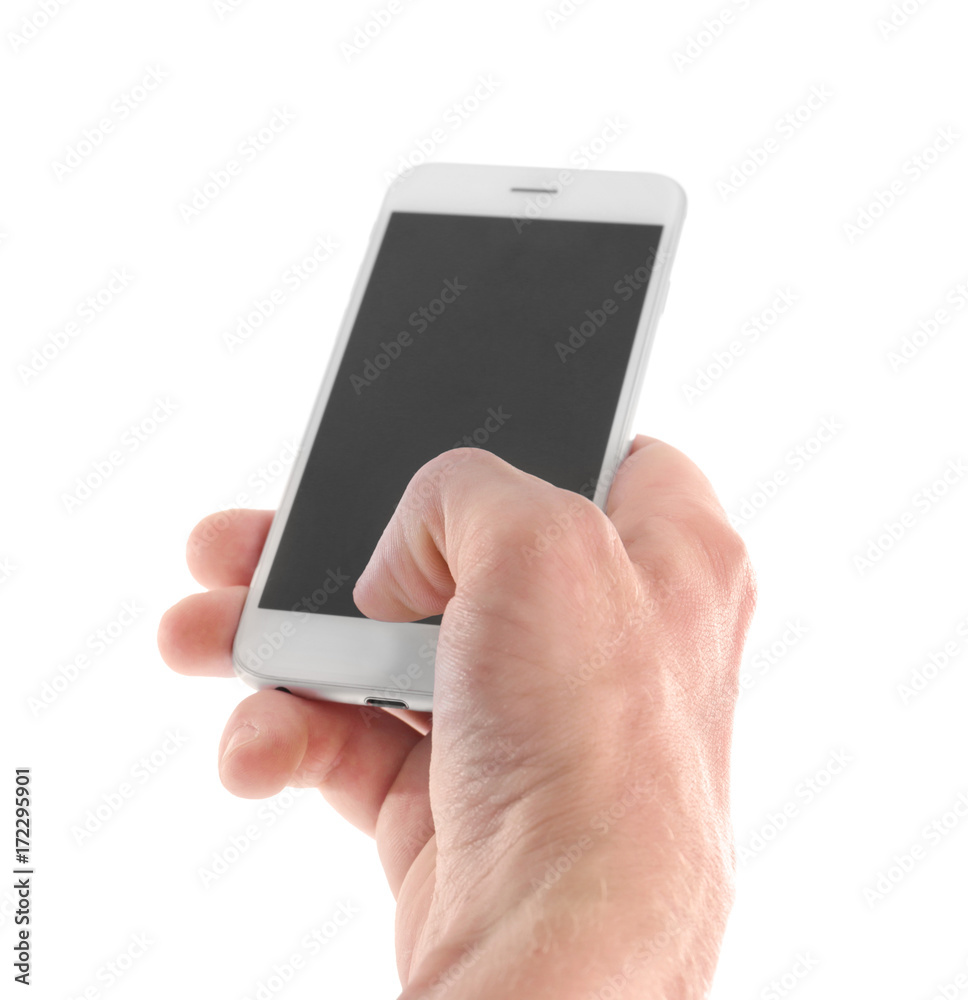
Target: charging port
[(384, 703)]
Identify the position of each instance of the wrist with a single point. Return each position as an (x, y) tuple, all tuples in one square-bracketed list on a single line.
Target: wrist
[(578, 950), (621, 919)]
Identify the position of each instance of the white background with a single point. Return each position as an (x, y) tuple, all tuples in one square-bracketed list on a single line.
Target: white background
[(863, 630)]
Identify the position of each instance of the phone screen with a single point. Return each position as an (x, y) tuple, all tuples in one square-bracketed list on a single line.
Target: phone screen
[(504, 334)]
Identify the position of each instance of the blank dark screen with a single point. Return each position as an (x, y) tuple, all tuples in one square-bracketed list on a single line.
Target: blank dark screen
[(509, 335)]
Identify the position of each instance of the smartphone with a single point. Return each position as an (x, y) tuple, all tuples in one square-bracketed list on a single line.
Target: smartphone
[(505, 308)]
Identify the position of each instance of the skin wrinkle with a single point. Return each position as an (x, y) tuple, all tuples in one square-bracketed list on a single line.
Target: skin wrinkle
[(428, 872), (485, 819), (433, 567), (336, 761), (315, 769), (520, 624), (545, 846), (482, 932), (417, 593), (535, 820), (545, 937)]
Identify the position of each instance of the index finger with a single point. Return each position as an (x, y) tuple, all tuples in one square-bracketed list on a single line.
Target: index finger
[(659, 496)]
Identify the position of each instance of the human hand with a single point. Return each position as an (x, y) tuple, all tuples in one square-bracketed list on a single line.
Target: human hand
[(568, 833)]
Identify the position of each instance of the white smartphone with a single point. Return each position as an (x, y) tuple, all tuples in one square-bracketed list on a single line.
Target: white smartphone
[(506, 308)]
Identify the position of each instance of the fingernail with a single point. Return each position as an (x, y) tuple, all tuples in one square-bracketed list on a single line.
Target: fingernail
[(243, 735)]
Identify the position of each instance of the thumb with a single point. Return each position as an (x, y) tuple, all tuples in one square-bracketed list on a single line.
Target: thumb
[(460, 514)]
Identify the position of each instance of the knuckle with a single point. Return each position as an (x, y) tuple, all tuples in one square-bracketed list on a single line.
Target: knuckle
[(714, 556), (563, 549), (729, 564), (313, 770), (569, 527), (701, 584)]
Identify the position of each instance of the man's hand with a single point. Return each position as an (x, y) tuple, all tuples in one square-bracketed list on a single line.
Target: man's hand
[(568, 834)]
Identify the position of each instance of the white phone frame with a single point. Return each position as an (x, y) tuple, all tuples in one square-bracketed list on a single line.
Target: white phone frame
[(389, 661)]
